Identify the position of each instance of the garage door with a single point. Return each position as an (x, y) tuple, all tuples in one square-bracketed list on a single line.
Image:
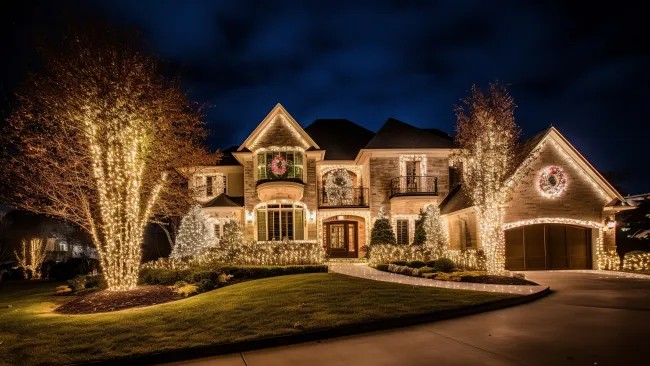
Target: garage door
[(548, 246)]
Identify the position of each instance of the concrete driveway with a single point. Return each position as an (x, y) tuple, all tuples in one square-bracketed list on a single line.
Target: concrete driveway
[(589, 319)]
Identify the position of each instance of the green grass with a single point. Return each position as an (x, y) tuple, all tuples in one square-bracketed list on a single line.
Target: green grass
[(31, 333)]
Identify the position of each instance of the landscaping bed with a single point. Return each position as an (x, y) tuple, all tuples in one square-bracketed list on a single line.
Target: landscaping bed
[(33, 333), (105, 301), (443, 270)]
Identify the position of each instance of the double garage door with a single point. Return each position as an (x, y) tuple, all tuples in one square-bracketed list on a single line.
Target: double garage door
[(548, 246)]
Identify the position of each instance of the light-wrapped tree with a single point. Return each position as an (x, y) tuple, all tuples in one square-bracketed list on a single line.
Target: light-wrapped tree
[(195, 236), (232, 241), (98, 140), (382, 231), (436, 235), (487, 136), (420, 234), (31, 256)]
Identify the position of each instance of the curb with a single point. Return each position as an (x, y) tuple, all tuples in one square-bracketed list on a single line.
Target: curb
[(345, 330)]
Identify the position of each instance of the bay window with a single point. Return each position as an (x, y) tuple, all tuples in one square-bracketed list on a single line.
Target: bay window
[(279, 222), (279, 165)]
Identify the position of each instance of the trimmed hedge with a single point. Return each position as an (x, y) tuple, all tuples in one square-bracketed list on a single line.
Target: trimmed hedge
[(165, 276)]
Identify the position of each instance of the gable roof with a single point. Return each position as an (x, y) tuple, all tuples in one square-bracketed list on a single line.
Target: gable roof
[(395, 134), (224, 200), (551, 133), (340, 138), (457, 199), (278, 111)]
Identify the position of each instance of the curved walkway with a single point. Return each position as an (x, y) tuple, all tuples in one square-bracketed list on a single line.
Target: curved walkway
[(364, 271), (588, 319)]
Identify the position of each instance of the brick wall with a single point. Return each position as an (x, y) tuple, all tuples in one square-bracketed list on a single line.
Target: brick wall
[(580, 200), (310, 196), (250, 196), (277, 133), (381, 171)]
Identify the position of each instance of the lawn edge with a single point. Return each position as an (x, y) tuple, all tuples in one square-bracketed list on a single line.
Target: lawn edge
[(310, 336)]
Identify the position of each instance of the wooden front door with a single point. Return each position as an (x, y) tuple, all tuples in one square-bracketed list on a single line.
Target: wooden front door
[(341, 239)]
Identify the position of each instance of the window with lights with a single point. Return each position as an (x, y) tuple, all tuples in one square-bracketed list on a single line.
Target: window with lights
[(278, 165), (280, 222)]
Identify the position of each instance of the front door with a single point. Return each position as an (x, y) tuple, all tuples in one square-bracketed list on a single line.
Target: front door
[(341, 239)]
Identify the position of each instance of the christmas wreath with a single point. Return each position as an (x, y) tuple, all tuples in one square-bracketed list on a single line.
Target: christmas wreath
[(552, 181), (339, 185), (278, 166)]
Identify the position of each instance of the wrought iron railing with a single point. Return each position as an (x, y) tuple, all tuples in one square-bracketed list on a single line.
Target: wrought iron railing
[(343, 197), (413, 185)]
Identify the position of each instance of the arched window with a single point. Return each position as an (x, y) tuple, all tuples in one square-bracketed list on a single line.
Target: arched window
[(280, 221)]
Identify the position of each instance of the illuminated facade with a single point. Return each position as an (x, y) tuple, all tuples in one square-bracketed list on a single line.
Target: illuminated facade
[(327, 182)]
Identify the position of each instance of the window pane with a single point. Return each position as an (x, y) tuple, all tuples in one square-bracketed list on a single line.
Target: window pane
[(208, 187), (351, 237), (261, 166), (225, 183), (299, 228), (274, 225)]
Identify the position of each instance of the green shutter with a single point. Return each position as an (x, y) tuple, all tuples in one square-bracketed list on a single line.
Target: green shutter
[(261, 225), (299, 224), (261, 166)]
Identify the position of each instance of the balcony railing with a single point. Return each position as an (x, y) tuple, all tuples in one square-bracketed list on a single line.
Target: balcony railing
[(414, 186), (343, 197), (292, 174)]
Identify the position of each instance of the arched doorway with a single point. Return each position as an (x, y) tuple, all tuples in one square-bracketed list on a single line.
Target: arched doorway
[(343, 236), (548, 246)]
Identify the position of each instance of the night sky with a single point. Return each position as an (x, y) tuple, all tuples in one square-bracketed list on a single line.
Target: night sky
[(581, 68)]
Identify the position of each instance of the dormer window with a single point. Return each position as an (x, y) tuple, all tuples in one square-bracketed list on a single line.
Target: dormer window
[(280, 165)]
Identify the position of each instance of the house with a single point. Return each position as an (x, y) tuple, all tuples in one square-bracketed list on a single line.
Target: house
[(326, 184)]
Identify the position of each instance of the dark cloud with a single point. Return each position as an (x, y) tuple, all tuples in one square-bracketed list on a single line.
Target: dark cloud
[(579, 66)]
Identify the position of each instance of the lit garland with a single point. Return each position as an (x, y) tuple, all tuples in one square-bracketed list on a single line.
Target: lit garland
[(636, 261), (422, 158), (324, 215), (386, 253), (279, 148), (552, 182), (339, 186), (323, 169), (605, 259)]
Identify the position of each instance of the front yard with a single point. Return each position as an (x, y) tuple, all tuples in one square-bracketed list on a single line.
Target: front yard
[(31, 333)]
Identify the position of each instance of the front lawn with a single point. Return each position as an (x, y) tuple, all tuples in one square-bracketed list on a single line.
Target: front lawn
[(31, 333)]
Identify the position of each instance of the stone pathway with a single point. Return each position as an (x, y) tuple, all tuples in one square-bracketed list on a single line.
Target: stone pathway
[(364, 271)]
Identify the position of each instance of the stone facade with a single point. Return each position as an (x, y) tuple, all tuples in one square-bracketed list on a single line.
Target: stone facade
[(581, 200)]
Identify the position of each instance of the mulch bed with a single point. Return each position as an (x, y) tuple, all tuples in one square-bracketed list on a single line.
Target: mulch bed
[(106, 301), (498, 280)]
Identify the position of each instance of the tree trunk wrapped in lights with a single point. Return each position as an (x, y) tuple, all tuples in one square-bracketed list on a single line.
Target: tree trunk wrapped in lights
[(31, 259), (487, 136), (98, 140)]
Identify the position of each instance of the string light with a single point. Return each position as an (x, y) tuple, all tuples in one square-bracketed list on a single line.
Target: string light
[(279, 148), (356, 169), (324, 215), (636, 261), (422, 158), (605, 259)]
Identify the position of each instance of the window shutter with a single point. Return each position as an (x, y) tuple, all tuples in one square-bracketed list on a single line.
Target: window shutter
[(261, 225)]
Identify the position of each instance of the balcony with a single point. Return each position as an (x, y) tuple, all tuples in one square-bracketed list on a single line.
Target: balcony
[(343, 197), (413, 186)]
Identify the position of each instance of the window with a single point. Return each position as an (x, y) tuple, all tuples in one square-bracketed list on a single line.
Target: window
[(208, 185), (290, 165), (225, 183), (218, 231), (62, 246), (403, 232), (463, 232), (279, 222)]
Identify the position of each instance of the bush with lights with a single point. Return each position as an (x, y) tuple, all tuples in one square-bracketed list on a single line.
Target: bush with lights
[(636, 261)]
